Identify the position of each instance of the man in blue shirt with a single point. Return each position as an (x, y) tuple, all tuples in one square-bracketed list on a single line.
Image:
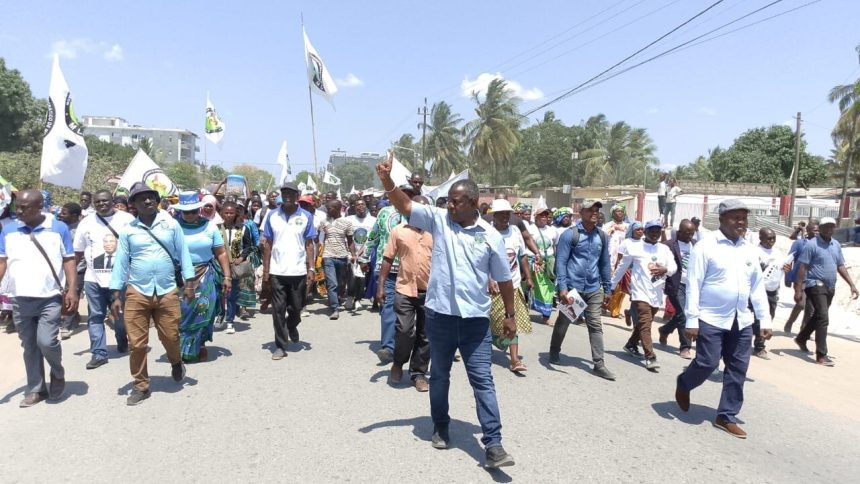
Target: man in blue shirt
[(147, 249), (820, 261), (723, 278), (467, 251), (582, 264), (791, 276)]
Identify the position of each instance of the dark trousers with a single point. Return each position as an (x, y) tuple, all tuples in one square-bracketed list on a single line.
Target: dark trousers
[(807, 310), (410, 337), (288, 293), (819, 297), (679, 320), (642, 331), (594, 305), (661, 204), (758, 340)]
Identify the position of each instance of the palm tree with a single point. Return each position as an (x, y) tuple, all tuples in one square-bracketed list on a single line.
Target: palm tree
[(494, 135), (620, 156), (444, 140), (846, 133)]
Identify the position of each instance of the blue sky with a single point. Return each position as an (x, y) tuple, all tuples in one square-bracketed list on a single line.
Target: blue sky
[(153, 62)]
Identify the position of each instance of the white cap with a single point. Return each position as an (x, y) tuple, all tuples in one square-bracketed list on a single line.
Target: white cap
[(826, 220), (501, 205)]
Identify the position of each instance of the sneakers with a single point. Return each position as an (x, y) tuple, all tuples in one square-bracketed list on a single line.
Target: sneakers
[(334, 315), (136, 397), (305, 313), (440, 437), (685, 354), (178, 371), (278, 354), (633, 351), (554, 357), (219, 323), (651, 364), (825, 361), (497, 457), (603, 372), (385, 356), (349, 305), (96, 362), (396, 374), (357, 305), (421, 383), (762, 353), (230, 329), (294, 334), (65, 333), (31, 399)]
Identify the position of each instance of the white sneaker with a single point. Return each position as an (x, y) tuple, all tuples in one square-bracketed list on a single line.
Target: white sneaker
[(357, 305), (229, 329), (65, 333), (305, 313)]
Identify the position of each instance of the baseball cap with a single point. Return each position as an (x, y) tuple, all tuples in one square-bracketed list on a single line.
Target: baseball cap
[(501, 205), (732, 204), (591, 203), (306, 199), (290, 186), (827, 220), (695, 219), (653, 223)]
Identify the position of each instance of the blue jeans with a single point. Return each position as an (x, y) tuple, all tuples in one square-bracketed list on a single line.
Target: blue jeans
[(232, 302), (472, 337), (98, 302), (735, 347), (335, 278), (387, 314)]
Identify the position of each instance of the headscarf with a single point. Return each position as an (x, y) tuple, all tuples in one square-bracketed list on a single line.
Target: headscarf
[(632, 227), (559, 214), (215, 217)]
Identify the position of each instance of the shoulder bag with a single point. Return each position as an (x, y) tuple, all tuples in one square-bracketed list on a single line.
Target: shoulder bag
[(177, 267), (63, 289)]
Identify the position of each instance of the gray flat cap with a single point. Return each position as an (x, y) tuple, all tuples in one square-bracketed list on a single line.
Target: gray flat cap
[(732, 204)]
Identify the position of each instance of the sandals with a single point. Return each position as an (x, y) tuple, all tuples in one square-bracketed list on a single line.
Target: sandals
[(518, 367)]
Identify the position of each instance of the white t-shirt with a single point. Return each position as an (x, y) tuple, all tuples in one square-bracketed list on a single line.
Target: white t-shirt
[(545, 238), (771, 261), (288, 235), (672, 194), (640, 258), (661, 189), (685, 248), (361, 228), (514, 247), (99, 245), (624, 246)]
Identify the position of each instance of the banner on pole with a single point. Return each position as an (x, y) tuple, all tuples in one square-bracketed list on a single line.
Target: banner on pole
[(330, 179), (143, 169), (284, 161), (214, 127), (319, 78), (64, 152)]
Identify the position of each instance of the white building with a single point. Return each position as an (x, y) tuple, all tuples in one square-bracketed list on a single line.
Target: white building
[(169, 144)]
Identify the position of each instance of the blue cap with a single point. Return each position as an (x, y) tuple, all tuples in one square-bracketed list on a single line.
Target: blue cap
[(653, 223)]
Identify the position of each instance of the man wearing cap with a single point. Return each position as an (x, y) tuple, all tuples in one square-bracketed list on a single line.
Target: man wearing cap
[(582, 264), (723, 278), (148, 249), (466, 253), (288, 265), (820, 261), (650, 263)]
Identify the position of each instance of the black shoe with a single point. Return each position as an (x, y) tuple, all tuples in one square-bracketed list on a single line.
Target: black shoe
[(96, 362), (554, 357), (349, 305), (178, 371), (633, 351), (122, 349), (136, 397), (497, 457), (440, 437), (385, 356), (57, 389), (294, 334)]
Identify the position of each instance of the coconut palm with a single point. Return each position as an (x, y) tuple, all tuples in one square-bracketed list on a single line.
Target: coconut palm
[(847, 129), (620, 154), (494, 135), (444, 143)]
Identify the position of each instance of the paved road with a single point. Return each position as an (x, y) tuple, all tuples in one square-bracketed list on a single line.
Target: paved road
[(326, 413)]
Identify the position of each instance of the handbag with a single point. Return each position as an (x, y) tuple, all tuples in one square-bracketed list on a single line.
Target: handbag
[(177, 267), (63, 289), (241, 270)]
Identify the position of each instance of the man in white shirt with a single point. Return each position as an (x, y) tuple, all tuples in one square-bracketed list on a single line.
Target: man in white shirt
[(771, 262), (651, 263), (723, 277), (661, 194), (362, 224), (96, 242), (672, 194)]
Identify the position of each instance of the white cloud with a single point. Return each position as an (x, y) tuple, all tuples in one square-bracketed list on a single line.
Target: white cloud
[(479, 85), (707, 111), (654, 111), (351, 80), (114, 54)]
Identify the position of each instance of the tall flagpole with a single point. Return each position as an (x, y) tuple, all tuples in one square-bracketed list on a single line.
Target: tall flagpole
[(311, 101), (205, 155)]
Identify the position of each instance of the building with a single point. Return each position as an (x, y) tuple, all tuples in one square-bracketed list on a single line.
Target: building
[(169, 144), (338, 158)]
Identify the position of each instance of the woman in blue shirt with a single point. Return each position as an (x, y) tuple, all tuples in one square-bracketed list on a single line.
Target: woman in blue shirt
[(206, 246)]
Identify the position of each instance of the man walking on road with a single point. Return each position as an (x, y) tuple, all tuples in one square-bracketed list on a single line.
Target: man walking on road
[(771, 261), (96, 241), (820, 261), (791, 277), (582, 264), (676, 286), (413, 248), (723, 278), (288, 265), (149, 249), (338, 254), (37, 251), (466, 253)]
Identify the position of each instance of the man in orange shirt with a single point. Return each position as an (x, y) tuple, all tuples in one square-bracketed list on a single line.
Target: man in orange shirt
[(414, 248)]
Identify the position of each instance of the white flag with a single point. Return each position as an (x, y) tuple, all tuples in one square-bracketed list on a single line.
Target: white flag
[(64, 152), (442, 190), (541, 205), (319, 78), (284, 161), (338, 194), (399, 173), (330, 179), (353, 192), (428, 165), (303, 188), (143, 169), (312, 185), (214, 127), (452, 174)]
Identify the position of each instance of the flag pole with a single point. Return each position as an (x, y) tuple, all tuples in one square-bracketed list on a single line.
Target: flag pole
[(205, 155), (311, 101)]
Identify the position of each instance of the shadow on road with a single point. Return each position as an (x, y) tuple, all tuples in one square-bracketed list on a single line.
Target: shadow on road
[(624, 356), (564, 360), (73, 388), (11, 394), (462, 437), (698, 414), (797, 353), (163, 384)]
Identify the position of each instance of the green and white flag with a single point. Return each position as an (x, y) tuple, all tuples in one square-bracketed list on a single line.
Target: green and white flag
[(319, 78), (143, 169), (214, 127), (64, 152), (284, 161), (330, 179)]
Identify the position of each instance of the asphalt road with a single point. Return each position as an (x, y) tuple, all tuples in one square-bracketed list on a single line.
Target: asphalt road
[(327, 413)]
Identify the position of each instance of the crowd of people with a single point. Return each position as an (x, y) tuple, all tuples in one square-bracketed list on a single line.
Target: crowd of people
[(450, 277)]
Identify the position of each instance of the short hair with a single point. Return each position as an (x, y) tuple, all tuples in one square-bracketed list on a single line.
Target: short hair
[(421, 199), (229, 204), (73, 208), (121, 199), (103, 190), (86, 193), (470, 187), (332, 204)]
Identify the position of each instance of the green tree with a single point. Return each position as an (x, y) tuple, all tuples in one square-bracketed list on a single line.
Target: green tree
[(145, 144), (215, 173), (355, 174), (257, 179), (619, 154), (406, 150), (444, 140), (20, 120), (846, 133), (494, 135), (766, 155), (184, 174), (699, 170), (545, 150), (304, 176)]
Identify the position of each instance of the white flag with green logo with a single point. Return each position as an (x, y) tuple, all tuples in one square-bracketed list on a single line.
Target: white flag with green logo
[(214, 127), (64, 152), (319, 77), (330, 179)]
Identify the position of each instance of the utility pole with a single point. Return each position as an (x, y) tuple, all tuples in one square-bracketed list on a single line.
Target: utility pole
[(423, 134), (794, 171)]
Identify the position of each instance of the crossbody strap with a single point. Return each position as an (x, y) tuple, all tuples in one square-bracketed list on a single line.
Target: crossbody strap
[(107, 225), (47, 259), (160, 243)]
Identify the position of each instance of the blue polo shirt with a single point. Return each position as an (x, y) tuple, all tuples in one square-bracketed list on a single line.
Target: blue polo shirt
[(822, 258), (464, 258), (26, 268)]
